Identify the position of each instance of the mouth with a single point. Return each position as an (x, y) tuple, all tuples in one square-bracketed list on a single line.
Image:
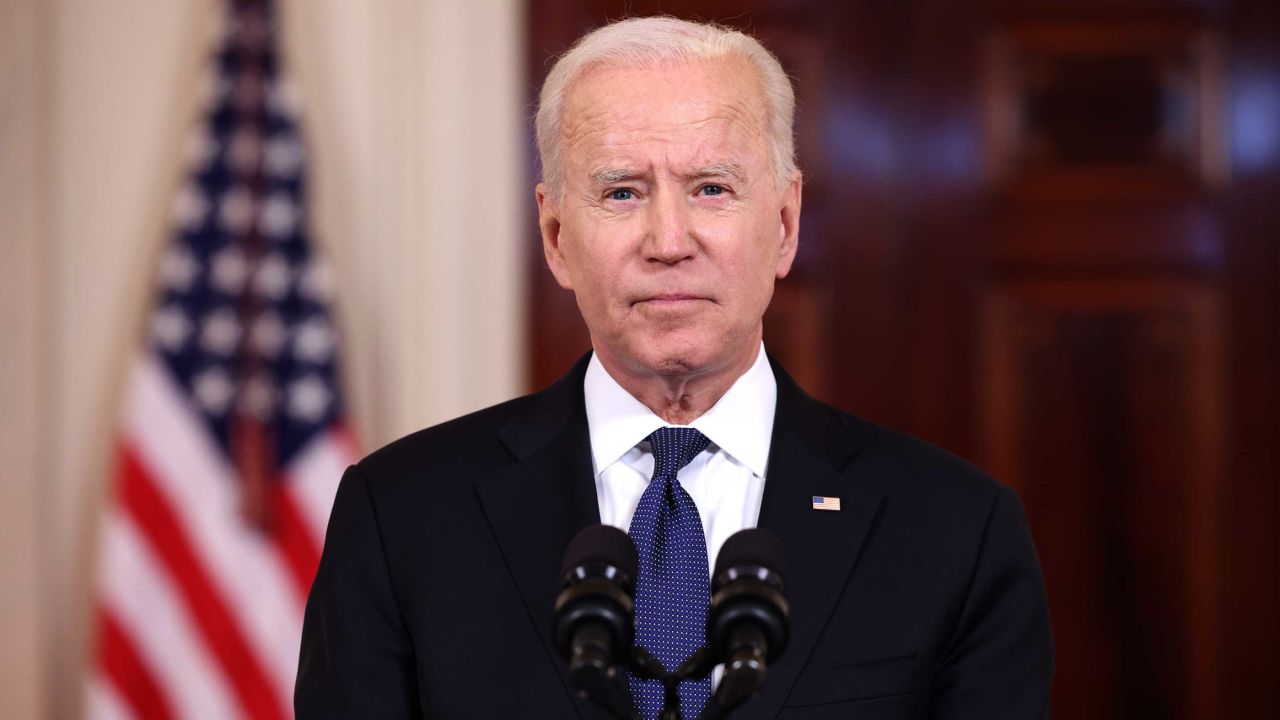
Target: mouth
[(671, 299)]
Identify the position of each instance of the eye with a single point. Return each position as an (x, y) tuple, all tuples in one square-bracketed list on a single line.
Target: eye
[(622, 194), (712, 190)]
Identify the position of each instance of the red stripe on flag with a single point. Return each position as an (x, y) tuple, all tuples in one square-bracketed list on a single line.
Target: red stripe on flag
[(156, 520), (125, 668), (297, 543)]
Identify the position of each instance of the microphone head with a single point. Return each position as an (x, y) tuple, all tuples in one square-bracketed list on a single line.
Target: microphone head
[(600, 546), (748, 602), (756, 552), (598, 591)]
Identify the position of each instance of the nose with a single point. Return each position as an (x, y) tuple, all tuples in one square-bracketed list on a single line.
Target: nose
[(669, 235)]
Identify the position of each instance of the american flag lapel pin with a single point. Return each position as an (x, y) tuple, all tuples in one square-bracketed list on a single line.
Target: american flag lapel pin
[(826, 503)]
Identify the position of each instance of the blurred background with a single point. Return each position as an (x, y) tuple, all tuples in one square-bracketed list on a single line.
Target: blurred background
[(1043, 235)]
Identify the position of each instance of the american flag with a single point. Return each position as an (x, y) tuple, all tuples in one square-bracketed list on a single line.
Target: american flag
[(232, 440), (822, 502)]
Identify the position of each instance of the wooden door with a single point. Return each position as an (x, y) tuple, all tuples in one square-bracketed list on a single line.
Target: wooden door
[(1046, 236)]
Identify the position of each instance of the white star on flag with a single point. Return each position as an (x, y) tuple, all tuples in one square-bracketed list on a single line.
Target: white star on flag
[(235, 212), (273, 277), (279, 216), (283, 157), (178, 269), (170, 327), (308, 398), (214, 390), (229, 270), (220, 332), (314, 340)]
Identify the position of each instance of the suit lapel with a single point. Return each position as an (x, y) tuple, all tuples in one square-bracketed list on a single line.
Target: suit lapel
[(812, 453), (537, 505)]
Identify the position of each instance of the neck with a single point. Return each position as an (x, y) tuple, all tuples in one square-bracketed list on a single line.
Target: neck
[(680, 398)]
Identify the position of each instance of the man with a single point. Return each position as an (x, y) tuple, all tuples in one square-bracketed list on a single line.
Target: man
[(669, 205)]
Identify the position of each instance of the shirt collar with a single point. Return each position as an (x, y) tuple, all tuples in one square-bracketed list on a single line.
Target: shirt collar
[(740, 423)]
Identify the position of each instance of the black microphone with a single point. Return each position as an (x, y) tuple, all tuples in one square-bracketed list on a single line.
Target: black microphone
[(595, 614), (747, 622)]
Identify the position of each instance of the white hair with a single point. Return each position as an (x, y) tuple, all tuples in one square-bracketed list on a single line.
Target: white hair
[(651, 42)]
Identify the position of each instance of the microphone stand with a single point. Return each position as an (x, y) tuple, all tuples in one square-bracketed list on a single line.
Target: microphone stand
[(743, 676), (647, 667), (608, 688), (597, 679)]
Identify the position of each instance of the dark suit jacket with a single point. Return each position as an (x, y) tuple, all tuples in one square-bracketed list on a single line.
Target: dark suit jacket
[(921, 597)]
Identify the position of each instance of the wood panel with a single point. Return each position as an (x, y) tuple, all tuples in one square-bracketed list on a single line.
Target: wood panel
[(1092, 110), (1103, 408)]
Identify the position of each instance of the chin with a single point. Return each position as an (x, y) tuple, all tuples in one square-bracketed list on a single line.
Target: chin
[(677, 356), (675, 367)]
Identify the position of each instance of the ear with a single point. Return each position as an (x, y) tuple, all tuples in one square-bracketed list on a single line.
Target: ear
[(789, 225), (549, 225)]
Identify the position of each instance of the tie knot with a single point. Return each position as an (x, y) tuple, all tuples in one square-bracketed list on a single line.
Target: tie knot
[(674, 447)]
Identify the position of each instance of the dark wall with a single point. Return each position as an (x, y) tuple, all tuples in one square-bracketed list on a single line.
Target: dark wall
[(1045, 236)]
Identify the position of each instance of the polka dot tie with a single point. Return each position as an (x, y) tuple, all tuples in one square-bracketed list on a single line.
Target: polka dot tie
[(673, 587)]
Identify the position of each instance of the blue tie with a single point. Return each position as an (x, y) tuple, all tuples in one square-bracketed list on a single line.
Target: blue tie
[(673, 587)]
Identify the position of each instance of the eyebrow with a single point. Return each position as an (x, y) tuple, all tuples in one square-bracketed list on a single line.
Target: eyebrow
[(605, 176), (727, 169)]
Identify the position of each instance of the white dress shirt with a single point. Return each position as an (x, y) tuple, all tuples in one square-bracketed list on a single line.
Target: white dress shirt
[(726, 480)]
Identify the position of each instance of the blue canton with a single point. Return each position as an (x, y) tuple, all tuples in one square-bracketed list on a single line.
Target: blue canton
[(242, 319)]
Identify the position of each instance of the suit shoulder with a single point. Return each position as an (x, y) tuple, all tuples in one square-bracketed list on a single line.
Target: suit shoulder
[(450, 454), (474, 437), (922, 463)]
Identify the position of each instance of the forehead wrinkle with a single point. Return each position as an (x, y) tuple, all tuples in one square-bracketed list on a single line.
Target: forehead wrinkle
[(582, 129), (586, 119), (610, 155), (599, 130)]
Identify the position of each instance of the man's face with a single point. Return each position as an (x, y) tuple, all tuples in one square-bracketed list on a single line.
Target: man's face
[(672, 227)]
